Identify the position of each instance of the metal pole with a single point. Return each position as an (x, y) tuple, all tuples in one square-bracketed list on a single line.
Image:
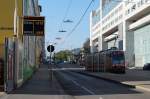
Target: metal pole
[(116, 36), (51, 71), (35, 53)]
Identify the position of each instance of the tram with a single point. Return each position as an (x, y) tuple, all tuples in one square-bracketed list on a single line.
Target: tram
[(106, 61)]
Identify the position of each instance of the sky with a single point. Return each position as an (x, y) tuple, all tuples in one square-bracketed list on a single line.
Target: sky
[(54, 12)]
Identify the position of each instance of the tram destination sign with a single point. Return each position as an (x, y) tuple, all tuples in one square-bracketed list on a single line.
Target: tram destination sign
[(33, 26)]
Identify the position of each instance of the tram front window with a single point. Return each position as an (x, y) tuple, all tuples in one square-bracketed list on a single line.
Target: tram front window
[(117, 59)]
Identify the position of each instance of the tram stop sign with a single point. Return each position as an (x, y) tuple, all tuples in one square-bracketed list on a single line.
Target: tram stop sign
[(50, 48)]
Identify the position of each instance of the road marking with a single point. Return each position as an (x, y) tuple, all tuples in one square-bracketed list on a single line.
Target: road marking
[(89, 91), (57, 69), (84, 88)]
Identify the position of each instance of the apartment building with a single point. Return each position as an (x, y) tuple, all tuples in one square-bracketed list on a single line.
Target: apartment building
[(137, 29), (95, 30), (125, 25)]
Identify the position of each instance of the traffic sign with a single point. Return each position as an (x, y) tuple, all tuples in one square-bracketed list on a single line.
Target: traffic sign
[(50, 48)]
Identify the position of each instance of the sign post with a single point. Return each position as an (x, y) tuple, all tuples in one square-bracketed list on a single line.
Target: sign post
[(50, 49)]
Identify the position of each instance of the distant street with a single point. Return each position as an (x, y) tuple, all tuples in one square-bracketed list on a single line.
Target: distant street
[(68, 84)]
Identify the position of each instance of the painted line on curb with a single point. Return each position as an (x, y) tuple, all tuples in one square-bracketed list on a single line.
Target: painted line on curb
[(138, 86), (142, 88)]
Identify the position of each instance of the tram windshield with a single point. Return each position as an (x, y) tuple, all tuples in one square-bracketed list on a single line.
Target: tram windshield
[(118, 58)]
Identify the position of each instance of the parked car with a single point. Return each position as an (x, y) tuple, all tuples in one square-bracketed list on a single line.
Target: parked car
[(146, 66)]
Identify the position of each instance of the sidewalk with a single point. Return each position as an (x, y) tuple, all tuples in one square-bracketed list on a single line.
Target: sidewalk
[(41, 84), (133, 78)]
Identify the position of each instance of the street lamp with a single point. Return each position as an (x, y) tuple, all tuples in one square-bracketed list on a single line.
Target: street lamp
[(58, 38), (68, 21), (116, 37), (62, 31)]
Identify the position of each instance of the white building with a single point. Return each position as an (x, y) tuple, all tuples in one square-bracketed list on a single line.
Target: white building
[(124, 24)]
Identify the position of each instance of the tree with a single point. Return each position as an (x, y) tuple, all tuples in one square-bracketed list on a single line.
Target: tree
[(63, 55)]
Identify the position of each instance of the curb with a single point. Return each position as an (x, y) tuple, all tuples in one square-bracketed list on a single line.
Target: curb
[(106, 79), (142, 88)]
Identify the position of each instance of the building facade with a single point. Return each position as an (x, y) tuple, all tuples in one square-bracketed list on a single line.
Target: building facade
[(33, 45), (11, 42), (124, 25), (21, 54), (7, 8)]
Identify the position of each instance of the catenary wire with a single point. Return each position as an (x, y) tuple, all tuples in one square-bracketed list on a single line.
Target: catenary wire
[(78, 23)]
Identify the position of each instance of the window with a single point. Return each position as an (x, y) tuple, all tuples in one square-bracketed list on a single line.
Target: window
[(128, 11), (147, 1), (142, 2), (139, 4), (116, 19), (120, 17), (133, 7)]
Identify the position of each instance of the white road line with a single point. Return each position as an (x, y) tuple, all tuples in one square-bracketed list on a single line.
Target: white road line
[(89, 91), (55, 69)]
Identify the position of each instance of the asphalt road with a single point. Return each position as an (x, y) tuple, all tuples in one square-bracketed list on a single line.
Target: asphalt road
[(86, 87), (71, 85)]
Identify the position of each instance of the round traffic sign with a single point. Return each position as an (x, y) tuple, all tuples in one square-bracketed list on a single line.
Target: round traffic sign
[(50, 48)]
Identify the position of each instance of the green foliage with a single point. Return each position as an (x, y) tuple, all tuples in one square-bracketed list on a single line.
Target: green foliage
[(28, 72), (63, 55)]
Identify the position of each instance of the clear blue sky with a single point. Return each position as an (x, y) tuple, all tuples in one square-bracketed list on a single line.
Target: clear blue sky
[(54, 11)]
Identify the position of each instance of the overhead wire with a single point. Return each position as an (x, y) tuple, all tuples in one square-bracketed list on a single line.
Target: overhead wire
[(66, 13), (68, 9), (80, 20), (78, 23), (86, 12)]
